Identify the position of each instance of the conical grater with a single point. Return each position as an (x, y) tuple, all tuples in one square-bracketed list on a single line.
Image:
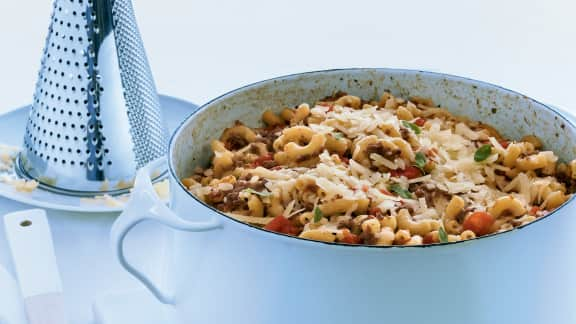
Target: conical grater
[(96, 115)]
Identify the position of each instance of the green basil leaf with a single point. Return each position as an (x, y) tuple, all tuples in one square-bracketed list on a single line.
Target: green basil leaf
[(482, 153), (420, 160), (442, 236), (317, 214), (396, 188), (412, 126), (261, 194)]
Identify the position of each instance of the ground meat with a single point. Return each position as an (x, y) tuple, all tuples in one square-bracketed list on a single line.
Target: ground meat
[(422, 192), (258, 185), (305, 157), (235, 143), (462, 214), (571, 185), (268, 135), (335, 96), (565, 179), (368, 238), (269, 164), (308, 205), (245, 177), (254, 149), (429, 192), (386, 153), (347, 223), (373, 148), (241, 160), (541, 173), (231, 199), (500, 172), (405, 133), (215, 196)]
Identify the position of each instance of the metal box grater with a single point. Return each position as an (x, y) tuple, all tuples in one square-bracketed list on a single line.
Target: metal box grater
[(96, 117)]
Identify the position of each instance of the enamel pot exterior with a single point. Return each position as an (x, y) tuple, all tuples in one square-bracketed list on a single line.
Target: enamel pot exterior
[(230, 272)]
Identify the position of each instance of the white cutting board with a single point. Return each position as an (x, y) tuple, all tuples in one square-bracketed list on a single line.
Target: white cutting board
[(11, 308)]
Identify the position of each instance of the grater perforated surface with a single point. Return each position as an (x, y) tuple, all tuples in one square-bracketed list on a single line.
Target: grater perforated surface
[(139, 89), (96, 117)]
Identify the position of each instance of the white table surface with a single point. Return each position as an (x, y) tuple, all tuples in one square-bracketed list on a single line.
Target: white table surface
[(200, 49)]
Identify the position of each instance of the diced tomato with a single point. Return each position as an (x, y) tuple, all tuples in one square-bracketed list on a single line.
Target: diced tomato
[(503, 143), (349, 237), (365, 188), (281, 224), (534, 210), (375, 212), (420, 122), (410, 172), (261, 159), (478, 222), (277, 223), (386, 192), (429, 238)]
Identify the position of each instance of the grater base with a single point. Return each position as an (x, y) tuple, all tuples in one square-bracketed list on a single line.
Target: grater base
[(22, 173), (175, 111)]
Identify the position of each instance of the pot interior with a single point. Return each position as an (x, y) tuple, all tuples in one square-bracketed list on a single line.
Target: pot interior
[(512, 114)]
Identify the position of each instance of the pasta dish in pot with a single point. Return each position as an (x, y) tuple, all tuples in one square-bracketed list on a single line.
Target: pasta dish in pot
[(388, 172)]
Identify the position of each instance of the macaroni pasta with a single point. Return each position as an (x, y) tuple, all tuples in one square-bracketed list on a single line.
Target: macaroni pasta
[(386, 172)]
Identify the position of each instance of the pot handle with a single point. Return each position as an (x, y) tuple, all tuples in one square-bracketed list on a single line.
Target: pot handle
[(145, 205)]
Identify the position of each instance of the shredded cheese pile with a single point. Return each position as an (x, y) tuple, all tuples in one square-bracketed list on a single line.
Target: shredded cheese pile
[(7, 157)]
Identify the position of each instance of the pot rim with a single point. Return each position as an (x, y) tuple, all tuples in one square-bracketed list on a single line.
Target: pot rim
[(206, 105)]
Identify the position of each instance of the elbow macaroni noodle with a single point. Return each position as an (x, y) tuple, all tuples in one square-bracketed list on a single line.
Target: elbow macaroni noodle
[(388, 172)]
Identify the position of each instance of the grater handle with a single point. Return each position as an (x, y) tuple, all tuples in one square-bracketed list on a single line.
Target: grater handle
[(145, 205)]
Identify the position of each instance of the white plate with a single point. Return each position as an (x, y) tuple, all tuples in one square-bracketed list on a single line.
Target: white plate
[(13, 125), (11, 309)]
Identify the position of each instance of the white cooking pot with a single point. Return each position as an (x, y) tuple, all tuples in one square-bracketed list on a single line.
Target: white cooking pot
[(225, 271)]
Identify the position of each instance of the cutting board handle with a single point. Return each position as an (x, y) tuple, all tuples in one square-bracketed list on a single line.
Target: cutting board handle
[(31, 245)]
